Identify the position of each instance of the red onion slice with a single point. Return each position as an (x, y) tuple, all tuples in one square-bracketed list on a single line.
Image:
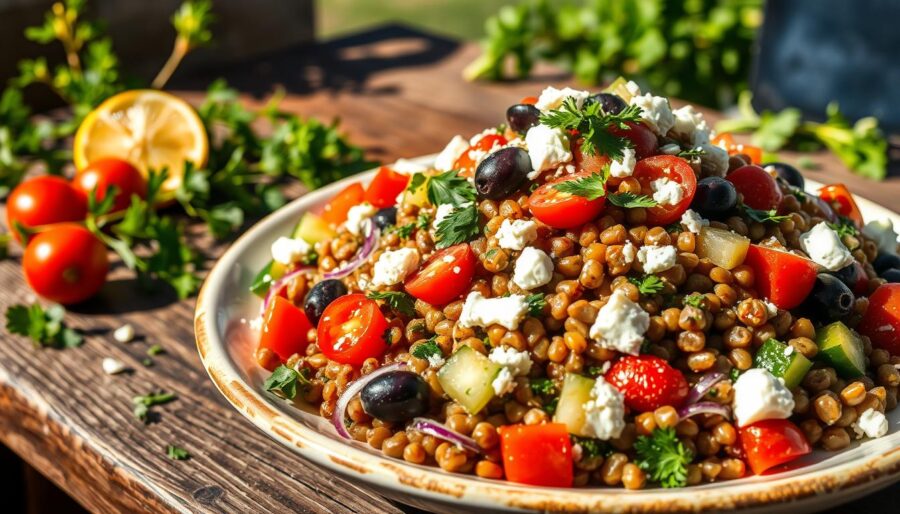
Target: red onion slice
[(433, 428), (704, 408), (369, 244), (280, 284), (703, 386), (337, 419)]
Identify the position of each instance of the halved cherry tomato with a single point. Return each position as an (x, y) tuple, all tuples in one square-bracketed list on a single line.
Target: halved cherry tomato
[(675, 169), (784, 278), (44, 200), (537, 454), (284, 328), (466, 163), (65, 264), (444, 277), (771, 442), (352, 329), (335, 211), (385, 187), (530, 100), (759, 189), (882, 319), (563, 210), (840, 199), (103, 173), (585, 162), (642, 138)]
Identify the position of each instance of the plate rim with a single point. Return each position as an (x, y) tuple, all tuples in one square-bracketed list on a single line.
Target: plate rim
[(399, 477)]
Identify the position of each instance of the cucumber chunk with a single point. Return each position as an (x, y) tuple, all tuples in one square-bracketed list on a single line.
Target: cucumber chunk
[(782, 361), (576, 391), (312, 229), (841, 347), (467, 377)]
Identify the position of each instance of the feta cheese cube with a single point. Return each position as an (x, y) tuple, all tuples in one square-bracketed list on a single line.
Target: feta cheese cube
[(287, 251), (113, 366), (690, 125), (620, 324), (479, 311), (625, 166), (657, 258), (873, 423), (552, 98), (629, 252), (357, 215), (504, 383), (518, 363), (759, 395), (547, 148), (393, 266), (632, 87), (604, 413), (656, 113), (124, 334), (882, 232), (534, 268), (824, 246), (666, 191), (454, 149), (693, 222), (515, 235), (435, 361)]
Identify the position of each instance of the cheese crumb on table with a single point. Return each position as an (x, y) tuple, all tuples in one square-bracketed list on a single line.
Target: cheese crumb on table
[(112, 366), (124, 334)]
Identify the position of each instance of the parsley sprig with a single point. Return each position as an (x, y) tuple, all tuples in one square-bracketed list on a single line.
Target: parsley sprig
[(664, 457), (461, 225), (427, 349), (536, 303), (143, 403), (591, 187), (44, 326), (631, 200), (450, 188), (648, 284), (285, 381), (760, 216), (396, 300), (593, 124), (177, 453)]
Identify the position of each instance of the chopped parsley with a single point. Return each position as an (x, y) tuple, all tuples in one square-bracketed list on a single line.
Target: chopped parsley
[(155, 350), (450, 188), (416, 182), (591, 187), (457, 227), (543, 387), (663, 457), (631, 200), (770, 216), (285, 381), (550, 407), (593, 124), (44, 326), (396, 300), (404, 232), (423, 221), (844, 227), (176, 453), (143, 403), (536, 303), (591, 447), (695, 300), (694, 152), (427, 350), (648, 284)]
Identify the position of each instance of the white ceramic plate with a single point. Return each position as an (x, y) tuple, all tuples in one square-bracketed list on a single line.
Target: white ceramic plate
[(226, 348)]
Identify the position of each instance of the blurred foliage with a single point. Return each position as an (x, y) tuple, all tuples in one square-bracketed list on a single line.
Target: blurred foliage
[(698, 50)]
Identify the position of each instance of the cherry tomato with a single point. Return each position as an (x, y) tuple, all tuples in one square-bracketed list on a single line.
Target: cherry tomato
[(563, 210), (43, 201), (65, 264), (882, 319), (103, 173), (675, 169), (585, 162), (284, 328), (759, 189), (384, 188), (466, 162), (771, 442), (530, 100), (784, 278), (352, 329), (537, 454), (335, 211), (642, 138), (840, 200), (445, 276)]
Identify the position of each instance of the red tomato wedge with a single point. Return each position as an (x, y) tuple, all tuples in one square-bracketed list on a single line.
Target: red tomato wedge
[(675, 169), (384, 188), (882, 319), (585, 162), (335, 211), (642, 138), (759, 189), (466, 162), (842, 202), (284, 328), (771, 442), (444, 277), (352, 329), (537, 454), (563, 210), (784, 278)]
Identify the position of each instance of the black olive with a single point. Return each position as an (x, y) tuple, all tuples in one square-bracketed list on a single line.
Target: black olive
[(830, 299), (522, 117), (715, 197), (788, 173), (886, 261), (395, 396), (385, 218), (609, 103), (891, 275), (850, 275), (502, 172), (320, 296)]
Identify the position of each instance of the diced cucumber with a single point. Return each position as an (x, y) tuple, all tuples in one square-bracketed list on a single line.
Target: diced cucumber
[(617, 87), (266, 276), (723, 247), (312, 229), (467, 377), (841, 347), (576, 391), (782, 361)]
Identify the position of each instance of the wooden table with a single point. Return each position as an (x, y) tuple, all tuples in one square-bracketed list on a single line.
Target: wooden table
[(398, 93)]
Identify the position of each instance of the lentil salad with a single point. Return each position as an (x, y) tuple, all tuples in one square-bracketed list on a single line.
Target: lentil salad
[(599, 292)]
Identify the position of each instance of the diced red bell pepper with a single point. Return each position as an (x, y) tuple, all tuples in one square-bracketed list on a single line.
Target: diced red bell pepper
[(882, 319), (784, 278), (530, 100), (840, 199), (284, 328), (537, 454), (335, 211), (771, 442), (385, 187)]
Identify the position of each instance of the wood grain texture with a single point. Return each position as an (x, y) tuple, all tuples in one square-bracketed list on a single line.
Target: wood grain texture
[(399, 94)]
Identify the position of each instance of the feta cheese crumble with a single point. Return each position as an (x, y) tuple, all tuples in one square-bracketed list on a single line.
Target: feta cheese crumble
[(629, 252), (604, 413), (824, 246), (407, 166), (657, 258), (547, 148), (443, 210), (625, 166), (666, 191), (112, 366), (656, 112), (515, 235), (393, 266), (518, 363), (435, 361), (759, 395), (124, 334), (454, 149), (620, 324), (693, 222), (504, 383), (552, 98), (357, 215), (287, 251), (873, 423), (479, 311), (534, 268), (882, 232), (690, 126)]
